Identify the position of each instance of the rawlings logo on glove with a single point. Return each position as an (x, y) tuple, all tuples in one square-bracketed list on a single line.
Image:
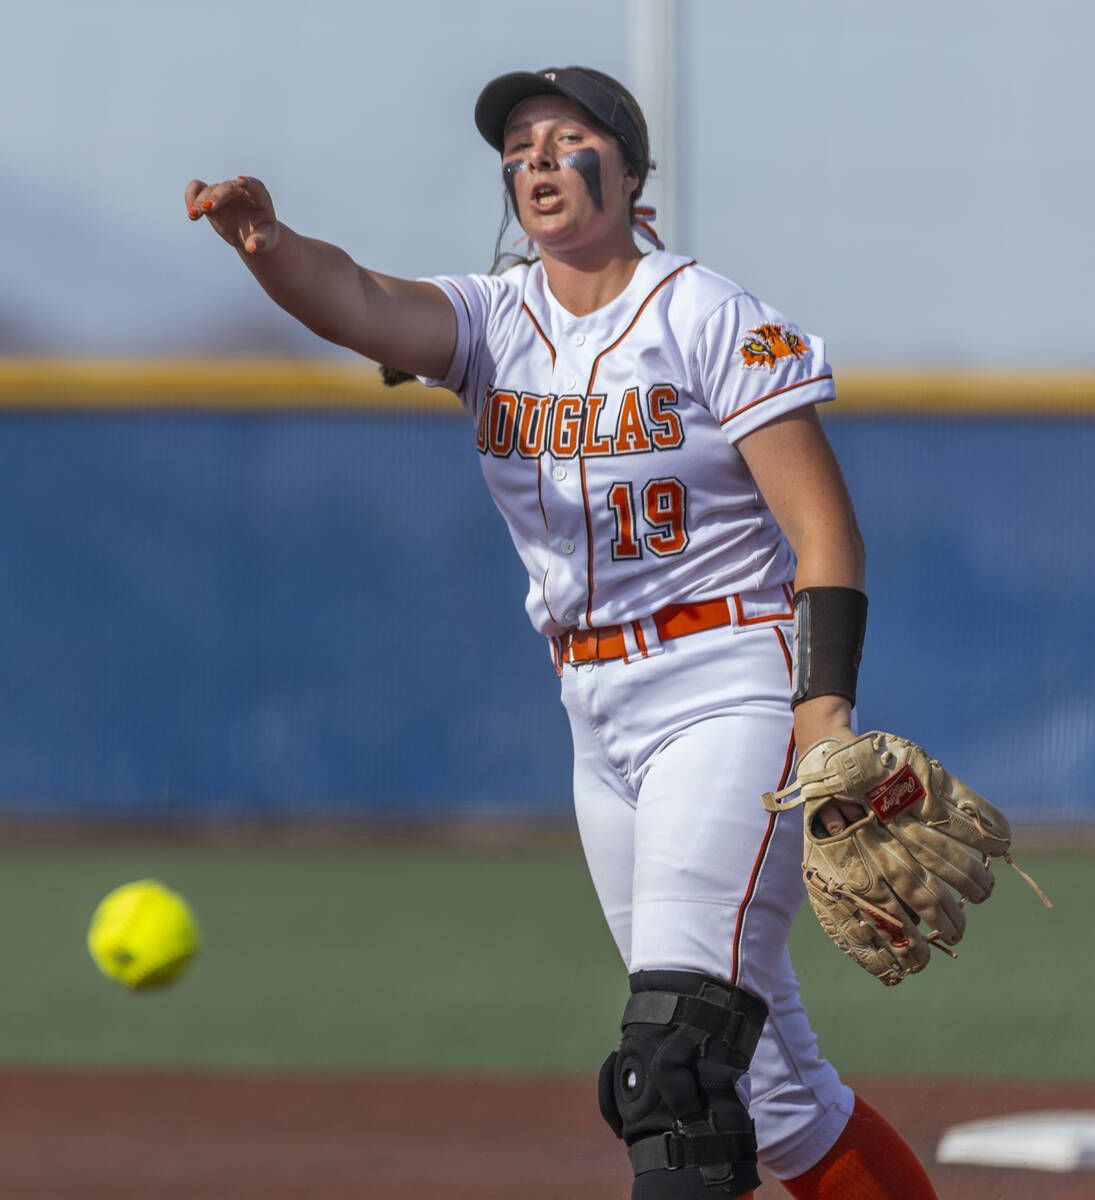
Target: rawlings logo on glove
[(895, 795), (923, 837)]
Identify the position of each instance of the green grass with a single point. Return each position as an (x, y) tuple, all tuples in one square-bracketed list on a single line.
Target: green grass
[(403, 960), (1016, 1002), (435, 961)]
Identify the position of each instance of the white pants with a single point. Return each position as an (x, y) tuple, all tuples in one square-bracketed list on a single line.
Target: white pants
[(671, 755)]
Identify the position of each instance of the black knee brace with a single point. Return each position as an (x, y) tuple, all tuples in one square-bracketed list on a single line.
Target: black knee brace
[(669, 1090)]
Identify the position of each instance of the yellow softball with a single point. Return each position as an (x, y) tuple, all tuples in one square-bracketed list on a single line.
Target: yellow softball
[(143, 935)]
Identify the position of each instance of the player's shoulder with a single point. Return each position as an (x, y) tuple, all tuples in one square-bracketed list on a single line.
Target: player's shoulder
[(722, 292), (488, 288), (697, 290), (490, 302), (701, 297), (721, 303), (701, 279)]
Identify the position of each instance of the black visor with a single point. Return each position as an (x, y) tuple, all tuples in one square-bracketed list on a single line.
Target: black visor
[(597, 93)]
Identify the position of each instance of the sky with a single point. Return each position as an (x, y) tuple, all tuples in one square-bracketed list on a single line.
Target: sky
[(912, 182)]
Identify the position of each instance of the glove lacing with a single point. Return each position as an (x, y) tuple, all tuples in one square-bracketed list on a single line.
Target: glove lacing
[(970, 811), (843, 892)]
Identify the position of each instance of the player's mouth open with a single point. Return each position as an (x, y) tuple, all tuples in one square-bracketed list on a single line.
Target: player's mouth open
[(545, 197)]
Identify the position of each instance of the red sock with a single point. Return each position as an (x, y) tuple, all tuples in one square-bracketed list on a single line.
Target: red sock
[(869, 1161)]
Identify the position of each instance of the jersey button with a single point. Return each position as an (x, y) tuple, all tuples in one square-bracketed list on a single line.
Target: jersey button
[(558, 472), (579, 339), (567, 546), (570, 381)]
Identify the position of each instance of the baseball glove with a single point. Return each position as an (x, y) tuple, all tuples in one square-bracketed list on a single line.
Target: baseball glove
[(922, 834)]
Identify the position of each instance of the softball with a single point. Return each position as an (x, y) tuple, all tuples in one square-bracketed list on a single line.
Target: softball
[(143, 935)]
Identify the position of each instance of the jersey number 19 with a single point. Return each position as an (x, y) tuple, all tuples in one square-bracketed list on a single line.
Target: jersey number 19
[(663, 511)]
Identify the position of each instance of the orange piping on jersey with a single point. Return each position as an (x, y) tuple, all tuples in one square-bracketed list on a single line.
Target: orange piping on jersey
[(744, 620), (540, 498), (778, 392), (543, 513), (536, 326), (750, 892), (540, 494), (631, 325), (589, 543), (543, 594), (790, 675), (589, 388), (788, 762)]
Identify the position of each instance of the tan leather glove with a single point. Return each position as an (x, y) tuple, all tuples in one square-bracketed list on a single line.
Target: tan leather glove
[(923, 837)]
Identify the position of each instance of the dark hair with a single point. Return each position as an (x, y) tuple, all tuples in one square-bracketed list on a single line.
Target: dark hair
[(393, 378)]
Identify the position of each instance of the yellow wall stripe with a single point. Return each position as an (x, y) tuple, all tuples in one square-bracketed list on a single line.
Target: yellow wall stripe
[(198, 384), (950, 392), (272, 384)]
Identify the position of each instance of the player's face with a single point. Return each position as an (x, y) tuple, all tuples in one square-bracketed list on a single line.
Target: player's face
[(567, 178)]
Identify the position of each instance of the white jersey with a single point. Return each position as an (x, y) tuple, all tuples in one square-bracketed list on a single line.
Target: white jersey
[(608, 441)]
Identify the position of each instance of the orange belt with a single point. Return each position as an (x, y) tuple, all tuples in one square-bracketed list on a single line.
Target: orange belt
[(586, 645)]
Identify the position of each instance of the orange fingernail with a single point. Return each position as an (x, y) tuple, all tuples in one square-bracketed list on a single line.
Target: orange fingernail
[(241, 178), (251, 249), (207, 204), (193, 211)]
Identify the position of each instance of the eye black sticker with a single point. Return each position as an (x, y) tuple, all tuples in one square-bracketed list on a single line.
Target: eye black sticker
[(587, 162)]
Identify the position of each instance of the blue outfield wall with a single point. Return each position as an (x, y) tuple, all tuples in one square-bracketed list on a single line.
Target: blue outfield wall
[(285, 614)]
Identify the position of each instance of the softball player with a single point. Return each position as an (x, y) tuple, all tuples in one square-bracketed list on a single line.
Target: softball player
[(648, 431)]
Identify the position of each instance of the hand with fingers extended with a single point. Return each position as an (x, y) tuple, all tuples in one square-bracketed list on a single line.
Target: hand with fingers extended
[(239, 209), (409, 324)]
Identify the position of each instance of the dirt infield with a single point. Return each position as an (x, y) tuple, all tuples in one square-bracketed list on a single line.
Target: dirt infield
[(133, 1135)]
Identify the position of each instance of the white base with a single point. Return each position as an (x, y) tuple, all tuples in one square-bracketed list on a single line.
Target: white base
[(1040, 1141)]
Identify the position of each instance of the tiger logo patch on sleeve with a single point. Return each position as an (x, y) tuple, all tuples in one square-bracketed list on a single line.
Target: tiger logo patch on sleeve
[(765, 345)]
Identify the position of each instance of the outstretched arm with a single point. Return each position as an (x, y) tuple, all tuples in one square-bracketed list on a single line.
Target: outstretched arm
[(404, 324)]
